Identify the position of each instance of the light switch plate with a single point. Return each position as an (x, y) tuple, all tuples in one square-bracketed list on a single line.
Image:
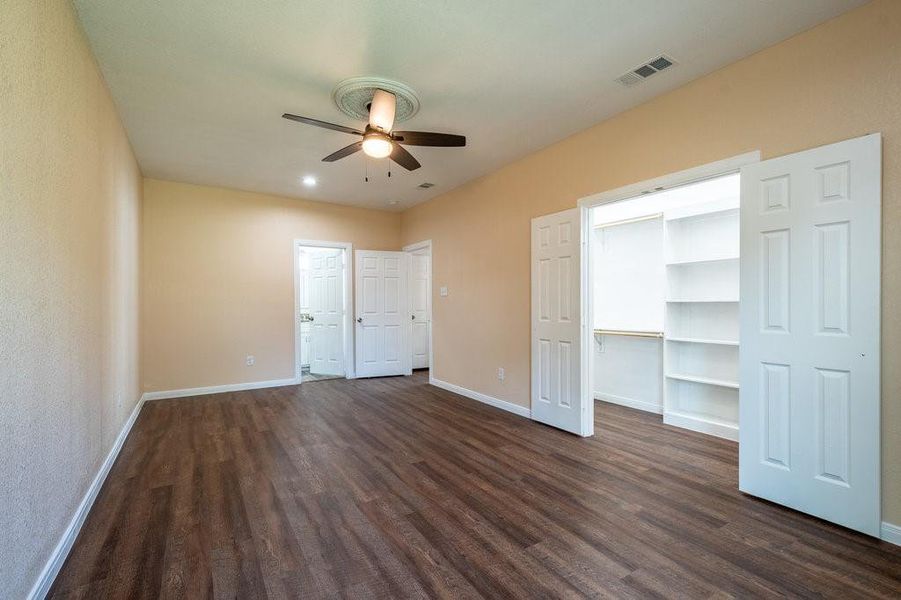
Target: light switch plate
[(443, 290)]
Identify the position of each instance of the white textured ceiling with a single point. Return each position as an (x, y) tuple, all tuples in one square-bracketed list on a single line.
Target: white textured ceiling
[(201, 84)]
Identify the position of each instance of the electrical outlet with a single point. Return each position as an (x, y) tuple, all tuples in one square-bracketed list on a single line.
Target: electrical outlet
[(250, 360), (443, 290), (500, 374)]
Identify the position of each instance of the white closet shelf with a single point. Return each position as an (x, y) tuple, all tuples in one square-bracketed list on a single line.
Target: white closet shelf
[(704, 380), (691, 340), (701, 261), (701, 300)]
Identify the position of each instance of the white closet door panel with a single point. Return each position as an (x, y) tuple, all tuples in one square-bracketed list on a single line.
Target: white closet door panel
[(383, 341), (810, 332), (556, 322)]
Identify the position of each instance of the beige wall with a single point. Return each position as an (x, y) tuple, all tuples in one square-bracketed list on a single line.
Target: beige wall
[(836, 81), (70, 194), (219, 282)]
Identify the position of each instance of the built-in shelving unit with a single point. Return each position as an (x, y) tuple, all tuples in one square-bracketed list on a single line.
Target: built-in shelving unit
[(701, 243)]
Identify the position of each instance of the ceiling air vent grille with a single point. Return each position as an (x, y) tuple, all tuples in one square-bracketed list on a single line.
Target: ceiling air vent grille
[(642, 72)]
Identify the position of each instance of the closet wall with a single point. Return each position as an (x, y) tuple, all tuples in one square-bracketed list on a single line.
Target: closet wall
[(629, 291)]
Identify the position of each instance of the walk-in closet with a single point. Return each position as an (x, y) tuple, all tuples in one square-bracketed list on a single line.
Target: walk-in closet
[(665, 288)]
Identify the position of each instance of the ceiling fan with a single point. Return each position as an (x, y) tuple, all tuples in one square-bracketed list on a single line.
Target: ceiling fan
[(379, 141)]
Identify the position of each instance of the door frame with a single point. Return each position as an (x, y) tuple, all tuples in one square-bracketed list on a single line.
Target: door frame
[(711, 170), (347, 247), (411, 248)]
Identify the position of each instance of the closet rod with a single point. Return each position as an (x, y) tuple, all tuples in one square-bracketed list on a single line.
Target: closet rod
[(627, 221), (650, 334)]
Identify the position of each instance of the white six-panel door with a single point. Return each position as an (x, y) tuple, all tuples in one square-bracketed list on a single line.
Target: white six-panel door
[(420, 292), (327, 308), (382, 307), (809, 383), (556, 322)]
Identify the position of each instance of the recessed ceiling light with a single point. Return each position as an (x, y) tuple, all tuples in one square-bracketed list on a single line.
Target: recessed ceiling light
[(392, 202), (309, 180)]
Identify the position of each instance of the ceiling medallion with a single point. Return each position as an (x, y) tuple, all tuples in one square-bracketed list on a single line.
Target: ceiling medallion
[(353, 96)]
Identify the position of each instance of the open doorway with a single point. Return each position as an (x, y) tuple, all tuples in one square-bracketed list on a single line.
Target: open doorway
[(665, 282), (321, 310)]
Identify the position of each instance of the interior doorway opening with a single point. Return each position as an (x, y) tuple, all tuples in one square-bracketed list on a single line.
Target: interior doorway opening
[(321, 311), (665, 282)]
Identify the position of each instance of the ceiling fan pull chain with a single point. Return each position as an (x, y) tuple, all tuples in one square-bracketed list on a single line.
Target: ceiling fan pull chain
[(389, 167), (366, 165)]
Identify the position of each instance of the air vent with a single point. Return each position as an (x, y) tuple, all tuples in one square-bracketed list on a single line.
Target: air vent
[(630, 78), (642, 72), (660, 63), (425, 186)]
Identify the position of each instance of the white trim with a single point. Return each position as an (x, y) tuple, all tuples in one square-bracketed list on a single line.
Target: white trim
[(218, 389), (891, 533), (650, 407), (412, 248), (64, 546), (516, 409), (586, 338), (699, 424), (418, 246), (349, 354), (672, 180), (679, 178)]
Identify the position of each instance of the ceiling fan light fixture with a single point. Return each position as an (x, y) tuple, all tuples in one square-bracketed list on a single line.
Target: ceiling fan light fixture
[(377, 145)]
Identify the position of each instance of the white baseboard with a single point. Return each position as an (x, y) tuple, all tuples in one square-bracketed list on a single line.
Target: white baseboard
[(702, 425), (516, 409), (891, 533), (629, 402), (61, 552), (218, 389)]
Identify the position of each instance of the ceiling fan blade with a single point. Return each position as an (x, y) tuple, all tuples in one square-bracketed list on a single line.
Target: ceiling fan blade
[(345, 151), (404, 158), (381, 110), (427, 138), (322, 124)]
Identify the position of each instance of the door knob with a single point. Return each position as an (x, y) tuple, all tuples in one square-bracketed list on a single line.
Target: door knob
[(413, 317), (359, 319)]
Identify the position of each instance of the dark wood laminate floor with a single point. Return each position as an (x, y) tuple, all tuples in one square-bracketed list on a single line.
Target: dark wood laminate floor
[(391, 488)]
